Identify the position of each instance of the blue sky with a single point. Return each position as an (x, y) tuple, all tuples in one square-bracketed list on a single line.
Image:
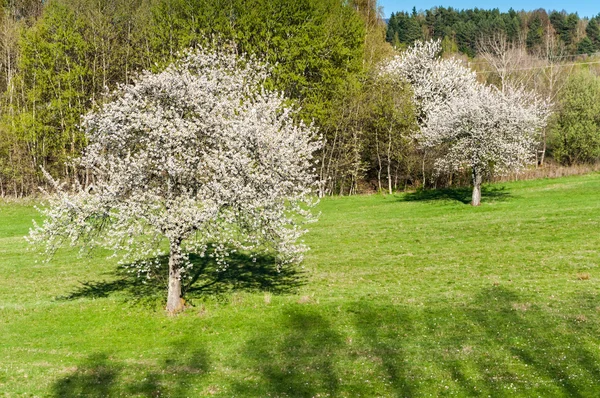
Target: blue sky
[(585, 8)]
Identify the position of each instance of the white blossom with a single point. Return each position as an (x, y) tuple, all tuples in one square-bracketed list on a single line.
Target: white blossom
[(198, 155), (475, 126), (434, 80), (486, 130)]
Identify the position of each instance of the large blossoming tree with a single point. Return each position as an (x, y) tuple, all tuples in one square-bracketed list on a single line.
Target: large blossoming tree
[(198, 156), (474, 126)]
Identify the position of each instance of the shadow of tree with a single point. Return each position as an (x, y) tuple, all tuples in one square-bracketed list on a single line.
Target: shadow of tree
[(244, 273), (492, 345), (384, 332), (298, 360), (552, 347), (463, 195), (94, 378), (99, 376), (497, 345)]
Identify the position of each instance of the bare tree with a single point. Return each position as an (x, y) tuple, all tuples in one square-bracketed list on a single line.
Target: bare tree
[(551, 78), (507, 59)]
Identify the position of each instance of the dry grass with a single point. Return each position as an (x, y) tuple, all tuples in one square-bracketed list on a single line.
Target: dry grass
[(584, 276), (305, 300), (549, 171), (268, 296), (581, 318), (521, 306)]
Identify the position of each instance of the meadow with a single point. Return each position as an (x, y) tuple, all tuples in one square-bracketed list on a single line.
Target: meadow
[(415, 294)]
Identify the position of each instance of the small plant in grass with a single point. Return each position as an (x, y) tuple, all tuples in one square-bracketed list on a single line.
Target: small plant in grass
[(197, 157)]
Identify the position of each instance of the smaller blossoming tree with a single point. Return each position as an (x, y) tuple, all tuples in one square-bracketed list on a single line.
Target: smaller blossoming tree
[(476, 126), (487, 131), (198, 156)]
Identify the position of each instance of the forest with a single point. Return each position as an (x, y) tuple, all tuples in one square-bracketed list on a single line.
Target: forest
[(62, 58), (463, 29)]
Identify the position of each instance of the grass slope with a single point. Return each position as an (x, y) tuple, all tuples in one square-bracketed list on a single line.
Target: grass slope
[(408, 295)]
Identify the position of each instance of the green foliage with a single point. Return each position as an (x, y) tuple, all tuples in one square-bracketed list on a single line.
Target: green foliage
[(467, 27), (449, 46), (404, 29), (565, 25), (54, 80), (586, 46), (368, 137), (66, 59), (388, 115), (316, 45), (575, 132), (592, 31), (69, 53)]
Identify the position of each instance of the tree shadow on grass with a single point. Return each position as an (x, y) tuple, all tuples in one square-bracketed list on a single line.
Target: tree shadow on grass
[(384, 331), (299, 359), (93, 378), (497, 345), (554, 347), (243, 273), (463, 195), (100, 376)]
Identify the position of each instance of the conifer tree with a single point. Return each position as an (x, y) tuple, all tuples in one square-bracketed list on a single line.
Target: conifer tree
[(593, 32), (535, 33)]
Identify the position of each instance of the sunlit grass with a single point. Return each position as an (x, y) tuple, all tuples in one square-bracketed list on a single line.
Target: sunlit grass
[(405, 295)]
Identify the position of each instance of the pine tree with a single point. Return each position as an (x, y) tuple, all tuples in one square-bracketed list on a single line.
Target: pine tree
[(535, 33), (414, 31), (593, 32), (392, 29), (586, 46)]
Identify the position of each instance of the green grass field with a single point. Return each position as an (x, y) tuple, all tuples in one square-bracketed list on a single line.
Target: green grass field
[(408, 295)]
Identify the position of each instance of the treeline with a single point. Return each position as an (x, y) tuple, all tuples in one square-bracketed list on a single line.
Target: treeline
[(462, 29), (61, 58)]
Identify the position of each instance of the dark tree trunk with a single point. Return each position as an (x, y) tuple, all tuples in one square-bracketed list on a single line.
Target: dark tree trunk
[(174, 300), (476, 198)]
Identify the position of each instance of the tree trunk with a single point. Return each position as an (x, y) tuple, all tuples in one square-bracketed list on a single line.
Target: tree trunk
[(389, 171), (423, 168), (174, 300), (543, 154), (389, 162), (378, 163), (476, 198)]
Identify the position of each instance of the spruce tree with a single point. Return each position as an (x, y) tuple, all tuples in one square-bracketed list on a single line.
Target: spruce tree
[(534, 35), (586, 46), (593, 32)]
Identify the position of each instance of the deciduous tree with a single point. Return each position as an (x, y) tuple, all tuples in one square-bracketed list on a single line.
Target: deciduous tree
[(575, 133), (487, 131), (197, 156), (478, 127)]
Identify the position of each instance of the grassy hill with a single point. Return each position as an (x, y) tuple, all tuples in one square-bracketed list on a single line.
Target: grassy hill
[(408, 295)]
